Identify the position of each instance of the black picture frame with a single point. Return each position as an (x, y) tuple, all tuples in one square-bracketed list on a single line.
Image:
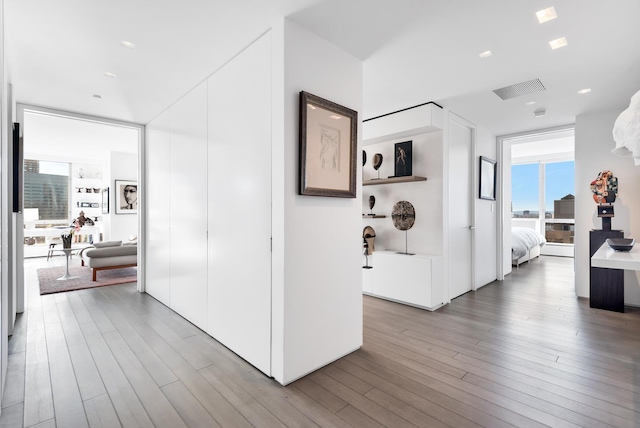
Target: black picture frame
[(487, 188), (402, 159), (105, 201), (328, 142), (18, 169)]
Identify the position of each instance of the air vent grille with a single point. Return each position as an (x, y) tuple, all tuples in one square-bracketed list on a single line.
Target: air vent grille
[(519, 89)]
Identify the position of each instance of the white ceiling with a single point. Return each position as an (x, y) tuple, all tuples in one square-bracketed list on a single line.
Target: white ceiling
[(413, 51)]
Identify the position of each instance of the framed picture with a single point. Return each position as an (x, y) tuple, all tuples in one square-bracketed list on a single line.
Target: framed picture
[(403, 159), (126, 197), (487, 179), (328, 140), (105, 201)]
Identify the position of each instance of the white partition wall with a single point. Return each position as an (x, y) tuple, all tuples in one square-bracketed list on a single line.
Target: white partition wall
[(239, 194), (230, 151), (158, 260), (188, 199)]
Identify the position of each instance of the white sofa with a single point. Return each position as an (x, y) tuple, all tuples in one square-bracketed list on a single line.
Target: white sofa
[(109, 255)]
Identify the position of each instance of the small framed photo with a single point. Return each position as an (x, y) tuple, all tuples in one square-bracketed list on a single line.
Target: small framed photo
[(487, 179), (126, 197), (403, 159), (105, 201), (328, 141)]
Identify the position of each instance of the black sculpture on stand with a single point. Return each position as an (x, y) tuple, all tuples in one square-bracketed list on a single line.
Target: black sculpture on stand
[(377, 162), (372, 203)]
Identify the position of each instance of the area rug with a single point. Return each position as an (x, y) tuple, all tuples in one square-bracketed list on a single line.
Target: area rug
[(48, 278)]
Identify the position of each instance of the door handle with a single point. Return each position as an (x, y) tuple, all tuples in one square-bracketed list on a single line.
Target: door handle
[(472, 227)]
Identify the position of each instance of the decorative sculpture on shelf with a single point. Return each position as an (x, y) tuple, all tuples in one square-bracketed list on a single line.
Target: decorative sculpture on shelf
[(403, 216), (377, 162), (364, 158), (368, 237), (372, 203), (605, 190), (403, 159)]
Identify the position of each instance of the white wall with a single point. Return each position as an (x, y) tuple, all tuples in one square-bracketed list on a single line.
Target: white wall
[(593, 146), (322, 283), (120, 227), (5, 236), (486, 216)]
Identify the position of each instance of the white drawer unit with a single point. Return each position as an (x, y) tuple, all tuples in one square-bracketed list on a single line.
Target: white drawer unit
[(412, 279)]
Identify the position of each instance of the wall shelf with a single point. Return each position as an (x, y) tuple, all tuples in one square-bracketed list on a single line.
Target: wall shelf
[(373, 216), (408, 179)]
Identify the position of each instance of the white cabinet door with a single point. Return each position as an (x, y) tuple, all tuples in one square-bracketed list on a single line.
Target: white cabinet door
[(188, 198), (403, 278), (158, 143), (240, 205)]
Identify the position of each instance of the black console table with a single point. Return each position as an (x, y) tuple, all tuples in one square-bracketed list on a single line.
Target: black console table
[(606, 286)]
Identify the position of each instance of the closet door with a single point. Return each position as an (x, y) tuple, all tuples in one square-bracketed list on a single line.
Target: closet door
[(240, 205), (158, 143), (188, 200), (461, 197)]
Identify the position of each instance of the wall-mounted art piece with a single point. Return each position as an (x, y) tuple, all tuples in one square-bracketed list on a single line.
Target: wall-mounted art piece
[(487, 179), (105, 201), (328, 140), (126, 197), (403, 153)]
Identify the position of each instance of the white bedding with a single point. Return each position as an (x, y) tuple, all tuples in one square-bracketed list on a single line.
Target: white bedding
[(523, 239)]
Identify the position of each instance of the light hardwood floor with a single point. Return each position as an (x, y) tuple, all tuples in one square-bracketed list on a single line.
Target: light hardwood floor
[(524, 352)]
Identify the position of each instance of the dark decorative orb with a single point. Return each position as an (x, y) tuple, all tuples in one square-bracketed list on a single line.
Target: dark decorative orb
[(403, 215)]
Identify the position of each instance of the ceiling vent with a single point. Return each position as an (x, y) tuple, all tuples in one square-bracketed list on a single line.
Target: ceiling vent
[(519, 89)]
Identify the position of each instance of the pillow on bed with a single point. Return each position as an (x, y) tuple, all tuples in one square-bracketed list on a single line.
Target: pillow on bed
[(107, 244)]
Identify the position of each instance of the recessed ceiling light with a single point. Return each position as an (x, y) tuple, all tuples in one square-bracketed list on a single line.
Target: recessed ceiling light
[(584, 91), (530, 103), (546, 15), (558, 43), (127, 45), (98, 96), (111, 75), (486, 54)]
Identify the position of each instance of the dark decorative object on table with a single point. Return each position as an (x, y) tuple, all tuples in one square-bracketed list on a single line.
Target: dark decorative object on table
[(605, 190), (403, 216), (403, 154), (621, 244), (66, 240), (377, 162), (368, 237)]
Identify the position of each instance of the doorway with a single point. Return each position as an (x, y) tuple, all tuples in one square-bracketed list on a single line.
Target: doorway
[(76, 158), (537, 185)]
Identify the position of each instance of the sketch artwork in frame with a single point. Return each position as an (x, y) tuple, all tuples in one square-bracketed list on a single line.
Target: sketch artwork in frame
[(126, 197), (328, 140), (105, 201), (487, 179)]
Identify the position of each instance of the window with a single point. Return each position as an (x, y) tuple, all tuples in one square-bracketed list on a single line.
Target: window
[(559, 202), (525, 198), (46, 187)]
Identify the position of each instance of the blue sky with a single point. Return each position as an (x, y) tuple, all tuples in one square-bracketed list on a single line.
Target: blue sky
[(524, 184)]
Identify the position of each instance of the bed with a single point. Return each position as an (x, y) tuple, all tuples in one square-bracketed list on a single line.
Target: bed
[(526, 242)]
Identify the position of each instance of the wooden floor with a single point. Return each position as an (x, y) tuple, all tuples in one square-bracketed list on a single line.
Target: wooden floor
[(524, 352)]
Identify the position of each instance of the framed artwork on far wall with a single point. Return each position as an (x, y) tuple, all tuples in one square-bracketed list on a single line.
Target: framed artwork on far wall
[(126, 197), (328, 140), (105, 201), (487, 179)]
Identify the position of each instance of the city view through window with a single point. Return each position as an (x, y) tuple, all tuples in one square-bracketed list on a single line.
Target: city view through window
[(555, 206)]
